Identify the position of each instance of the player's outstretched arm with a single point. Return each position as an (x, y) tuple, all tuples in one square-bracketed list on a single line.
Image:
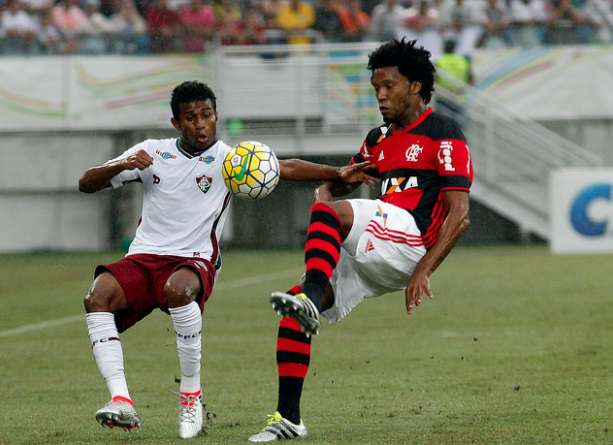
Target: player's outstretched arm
[(99, 177), (300, 170), (455, 224)]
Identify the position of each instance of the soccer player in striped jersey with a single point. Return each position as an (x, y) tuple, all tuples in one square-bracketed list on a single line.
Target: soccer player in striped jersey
[(362, 248), (174, 258)]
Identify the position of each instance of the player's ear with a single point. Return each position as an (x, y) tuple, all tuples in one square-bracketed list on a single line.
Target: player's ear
[(175, 123), (415, 87)]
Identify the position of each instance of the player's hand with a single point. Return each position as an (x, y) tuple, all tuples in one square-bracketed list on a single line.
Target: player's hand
[(417, 287), (358, 173), (140, 160)]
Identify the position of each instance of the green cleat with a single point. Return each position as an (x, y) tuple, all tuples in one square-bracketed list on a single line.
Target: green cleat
[(279, 428)]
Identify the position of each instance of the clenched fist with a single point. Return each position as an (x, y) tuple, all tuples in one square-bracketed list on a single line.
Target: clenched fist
[(140, 160)]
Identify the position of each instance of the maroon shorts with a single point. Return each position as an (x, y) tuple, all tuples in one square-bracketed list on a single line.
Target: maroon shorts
[(142, 278)]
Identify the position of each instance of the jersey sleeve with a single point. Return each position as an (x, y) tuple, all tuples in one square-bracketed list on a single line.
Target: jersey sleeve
[(361, 155), (373, 137), (454, 164), (129, 175)]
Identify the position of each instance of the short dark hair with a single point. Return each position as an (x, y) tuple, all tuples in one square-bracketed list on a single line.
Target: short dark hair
[(412, 61), (189, 92)]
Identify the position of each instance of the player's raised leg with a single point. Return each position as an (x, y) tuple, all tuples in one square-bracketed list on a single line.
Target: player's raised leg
[(181, 291), (103, 299), (329, 225)]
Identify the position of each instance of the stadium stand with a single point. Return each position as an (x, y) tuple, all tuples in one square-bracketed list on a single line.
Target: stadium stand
[(161, 26)]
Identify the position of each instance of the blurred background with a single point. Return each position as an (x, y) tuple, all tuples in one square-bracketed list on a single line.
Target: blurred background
[(81, 81)]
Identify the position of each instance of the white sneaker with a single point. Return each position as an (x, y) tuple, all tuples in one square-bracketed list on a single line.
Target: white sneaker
[(190, 420), (279, 428), (300, 308), (118, 412)]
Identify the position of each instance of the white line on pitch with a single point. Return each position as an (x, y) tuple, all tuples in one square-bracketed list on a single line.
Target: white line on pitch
[(247, 281), (41, 325)]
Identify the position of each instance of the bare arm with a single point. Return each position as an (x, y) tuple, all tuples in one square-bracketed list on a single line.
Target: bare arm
[(99, 177), (455, 224), (299, 170)]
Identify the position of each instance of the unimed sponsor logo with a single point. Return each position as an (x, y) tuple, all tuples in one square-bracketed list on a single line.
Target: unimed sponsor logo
[(166, 154)]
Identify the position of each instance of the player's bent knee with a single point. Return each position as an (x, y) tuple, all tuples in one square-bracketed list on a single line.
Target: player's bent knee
[(344, 210), (182, 287), (105, 295)]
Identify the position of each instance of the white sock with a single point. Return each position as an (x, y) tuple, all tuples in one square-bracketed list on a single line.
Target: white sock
[(107, 351), (187, 321)]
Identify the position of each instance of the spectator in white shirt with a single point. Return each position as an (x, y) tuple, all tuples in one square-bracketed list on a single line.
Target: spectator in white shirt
[(421, 23), (528, 12), (37, 7), (466, 13), (101, 24), (100, 29), (528, 18), (496, 24), (386, 22), (50, 39), (462, 24), (570, 23), (602, 12), (18, 28), (131, 29)]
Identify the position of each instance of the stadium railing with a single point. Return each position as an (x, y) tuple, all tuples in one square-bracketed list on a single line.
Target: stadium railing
[(513, 156)]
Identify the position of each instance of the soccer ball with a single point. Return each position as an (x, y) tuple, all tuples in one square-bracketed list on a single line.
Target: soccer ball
[(251, 170)]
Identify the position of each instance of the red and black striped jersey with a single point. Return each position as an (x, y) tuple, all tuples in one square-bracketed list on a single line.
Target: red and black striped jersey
[(416, 164)]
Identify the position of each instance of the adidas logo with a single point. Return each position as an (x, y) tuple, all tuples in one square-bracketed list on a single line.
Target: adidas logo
[(369, 246), (381, 156)]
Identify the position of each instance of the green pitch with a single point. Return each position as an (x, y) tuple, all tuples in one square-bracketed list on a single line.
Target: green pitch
[(516, 348)]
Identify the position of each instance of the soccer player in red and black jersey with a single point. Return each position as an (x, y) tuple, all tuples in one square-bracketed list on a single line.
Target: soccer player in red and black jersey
[(362, 248)]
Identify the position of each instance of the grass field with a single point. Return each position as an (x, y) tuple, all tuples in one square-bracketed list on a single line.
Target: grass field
[(516, 348)]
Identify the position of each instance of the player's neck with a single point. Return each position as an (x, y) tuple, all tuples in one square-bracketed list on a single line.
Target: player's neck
[(412, 114), (185, 146)]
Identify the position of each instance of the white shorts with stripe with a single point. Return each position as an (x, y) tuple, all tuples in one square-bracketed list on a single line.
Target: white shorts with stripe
[(379, 255)]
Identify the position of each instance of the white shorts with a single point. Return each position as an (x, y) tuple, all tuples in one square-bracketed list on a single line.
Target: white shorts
[(379, 255)]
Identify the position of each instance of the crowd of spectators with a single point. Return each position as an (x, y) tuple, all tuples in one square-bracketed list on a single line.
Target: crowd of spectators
[(159, 26)]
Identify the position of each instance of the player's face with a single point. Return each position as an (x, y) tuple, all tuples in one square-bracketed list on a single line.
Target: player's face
[(394, 93), (197, 124)]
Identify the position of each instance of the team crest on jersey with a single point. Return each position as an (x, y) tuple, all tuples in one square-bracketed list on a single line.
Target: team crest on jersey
[(204, 183), (413, 153)]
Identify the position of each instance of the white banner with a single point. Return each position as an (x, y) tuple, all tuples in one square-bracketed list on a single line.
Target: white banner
[(549, 83), (582, 210), (128, 92), (97, 92)]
